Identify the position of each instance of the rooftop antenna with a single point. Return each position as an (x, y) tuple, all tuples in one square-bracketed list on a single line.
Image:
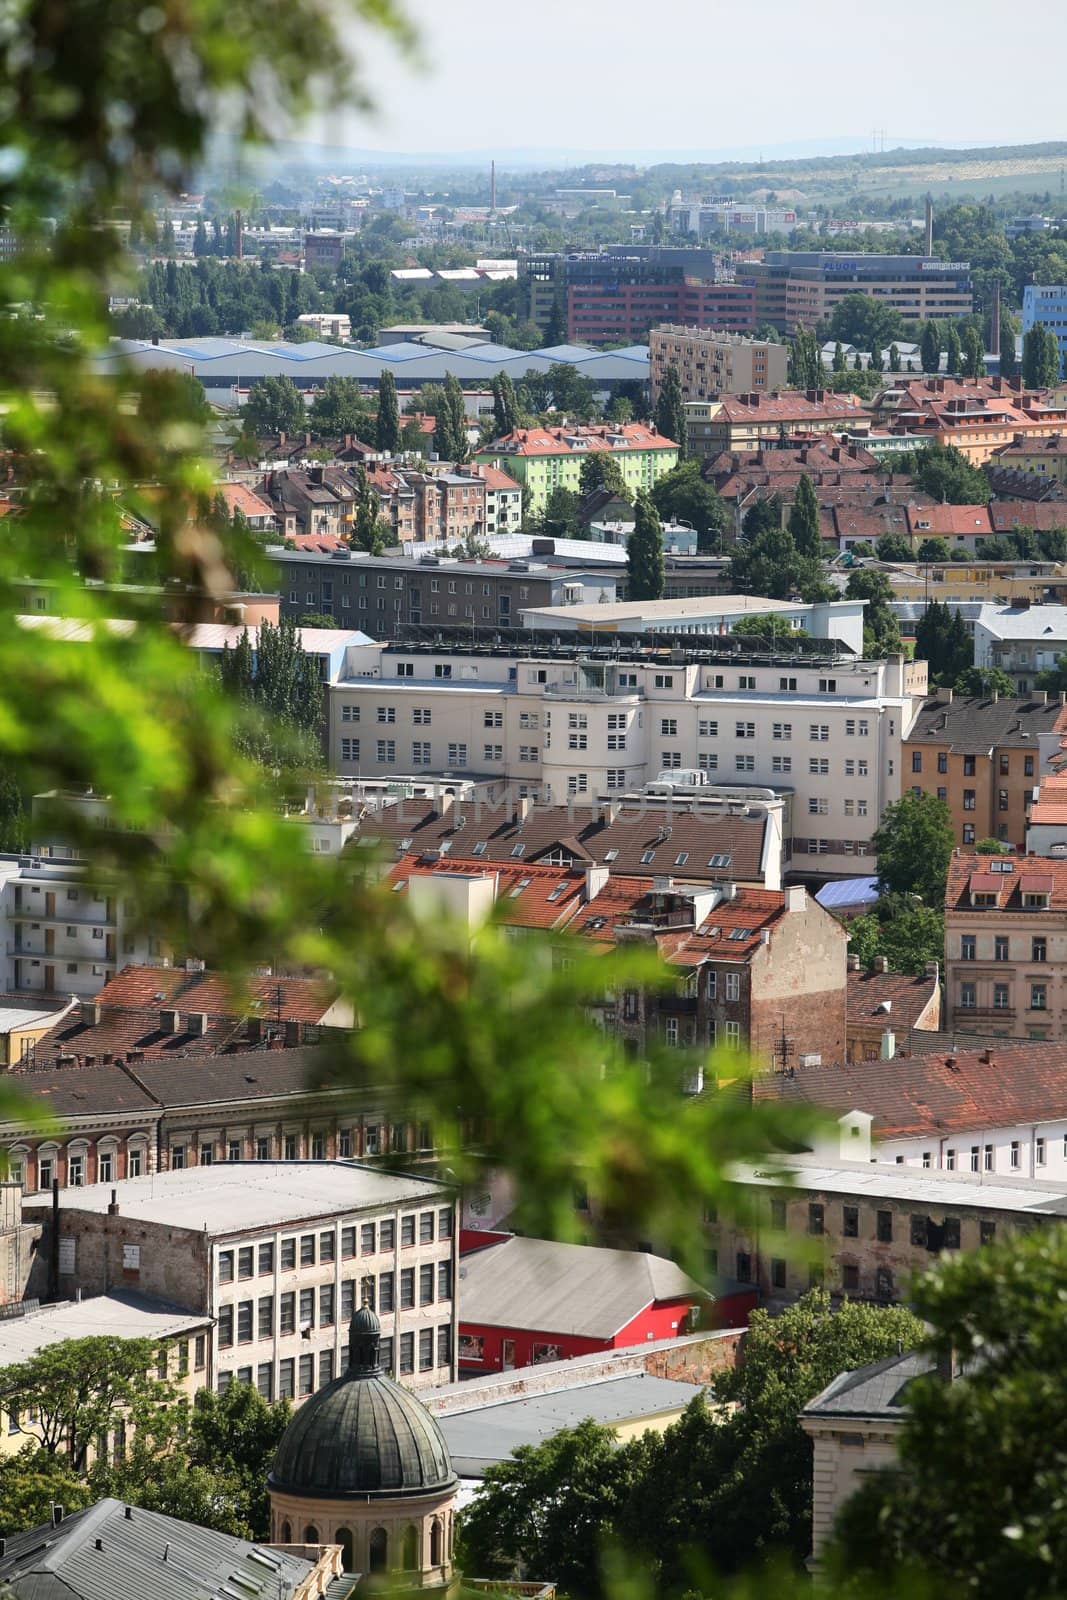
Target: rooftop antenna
[(782, 1050)]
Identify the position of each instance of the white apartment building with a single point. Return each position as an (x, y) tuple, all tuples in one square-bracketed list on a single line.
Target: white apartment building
[(571, 723), (280, 1255), (63, 934)]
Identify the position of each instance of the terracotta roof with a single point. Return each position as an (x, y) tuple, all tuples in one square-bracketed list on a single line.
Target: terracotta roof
[(731, 931), (907, 997), (789, 406), (1051, 444), (1051, 803), (239, 497), (494, 478), (1017, 875), (716, 848), (294, 999), (971, 724), (1004, 1083), (319, 543), (1009, 514), (930, 521), (527, 896), (555, 441)]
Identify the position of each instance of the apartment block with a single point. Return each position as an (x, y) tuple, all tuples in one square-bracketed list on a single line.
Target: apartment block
[(1021, 639), (279, 1255), (983, 758), (1006, 946), (1046, 304), (864, 1228), (543, 459), (568, 724), (378, 594), (752, 421), (63, 934), (711, 363)]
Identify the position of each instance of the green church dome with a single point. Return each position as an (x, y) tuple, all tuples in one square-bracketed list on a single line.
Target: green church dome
[(363, 1435)]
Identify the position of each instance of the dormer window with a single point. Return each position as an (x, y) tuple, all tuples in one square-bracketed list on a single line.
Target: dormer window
[(1035, 900)]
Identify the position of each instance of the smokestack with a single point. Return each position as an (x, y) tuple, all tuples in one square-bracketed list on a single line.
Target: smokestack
[(238, 237), (994, 331), (492, 188), (929, 247)]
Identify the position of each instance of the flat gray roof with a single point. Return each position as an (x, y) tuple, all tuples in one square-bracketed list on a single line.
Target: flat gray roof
[(883, 1181), (235, 1196), (478, 1438), (119, 1314)]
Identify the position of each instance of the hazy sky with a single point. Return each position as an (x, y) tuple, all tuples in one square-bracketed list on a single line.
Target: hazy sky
[(633, 75)]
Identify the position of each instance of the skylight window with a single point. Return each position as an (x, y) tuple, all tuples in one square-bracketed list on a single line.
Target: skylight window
[(611, 855), (739, 933), (648, 857), (480, 848), (681, 859), (517, 850), (523, 883), (398, 885), (558, 892), (720, 861)]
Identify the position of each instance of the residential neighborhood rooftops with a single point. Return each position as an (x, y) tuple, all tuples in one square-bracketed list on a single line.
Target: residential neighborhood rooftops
[(238, 1196), (1025, 622), (545, 1286)]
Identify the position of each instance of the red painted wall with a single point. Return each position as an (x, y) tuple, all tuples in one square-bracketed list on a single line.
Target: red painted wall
[(659, 1320)]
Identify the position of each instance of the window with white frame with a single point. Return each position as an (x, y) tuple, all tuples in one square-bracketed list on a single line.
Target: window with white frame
[(387, 713), (457, 755), (420, 753), (818, 766), (733, 986), (349, 749), (745, 764), (387, 751), (781, 763), (421, 716), (708, 730), (781, 730), (819, 732)]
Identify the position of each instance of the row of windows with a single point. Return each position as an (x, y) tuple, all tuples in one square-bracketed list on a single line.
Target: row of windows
[(373, 1237), (304, 1309), (1002, 997), (969, 764), (1002, 947), (297, 1374), (923, 1231)]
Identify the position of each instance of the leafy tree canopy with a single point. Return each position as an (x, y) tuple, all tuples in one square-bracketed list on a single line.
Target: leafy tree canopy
[(914, 843)]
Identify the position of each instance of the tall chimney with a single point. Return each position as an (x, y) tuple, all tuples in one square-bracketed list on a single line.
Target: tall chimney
[(238, 237), (492, 188), (929, 242)]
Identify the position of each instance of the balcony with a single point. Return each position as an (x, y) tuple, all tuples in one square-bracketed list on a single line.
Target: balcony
[(63, 917)]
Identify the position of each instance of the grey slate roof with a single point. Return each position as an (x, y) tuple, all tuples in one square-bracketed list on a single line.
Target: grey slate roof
[(544, 1286), (489, 1433), (975, 725), (877, 1390), (144, 1554)]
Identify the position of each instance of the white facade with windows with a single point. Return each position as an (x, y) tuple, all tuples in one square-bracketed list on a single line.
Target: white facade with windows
[(577, 726)]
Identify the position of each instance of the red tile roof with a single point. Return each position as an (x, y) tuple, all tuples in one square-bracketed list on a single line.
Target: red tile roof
[(239, 497), (555, 441), (932, 521), (294, 999), (524, 891), (1014, 877), (1003, 1084), (907, 997), (790, 405)]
